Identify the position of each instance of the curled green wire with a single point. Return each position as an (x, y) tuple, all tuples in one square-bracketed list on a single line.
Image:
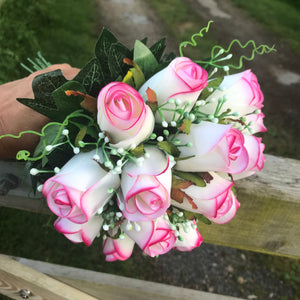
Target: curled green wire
[(193, 42), (24, 154)]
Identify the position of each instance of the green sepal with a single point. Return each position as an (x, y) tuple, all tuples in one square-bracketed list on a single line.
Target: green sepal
[(214, 83), (184, 157), (138, 151), (67, 104), (192, 177), (169, 148), (199, 217), (145, 59), (186, 126)]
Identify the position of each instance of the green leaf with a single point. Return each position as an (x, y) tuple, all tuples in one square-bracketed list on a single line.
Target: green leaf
[(144, 40), (169, 148), (193, 177), (43, 85), (49, 137), (115, 60), (102, 49), (39, 107), (92, 77), (144, 58), (67, 104), (214, 83), (158, 48)]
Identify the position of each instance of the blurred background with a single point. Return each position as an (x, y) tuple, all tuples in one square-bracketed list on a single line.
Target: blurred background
[(66, 31)]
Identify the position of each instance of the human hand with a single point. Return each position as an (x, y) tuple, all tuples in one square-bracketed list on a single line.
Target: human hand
[(16, 117)]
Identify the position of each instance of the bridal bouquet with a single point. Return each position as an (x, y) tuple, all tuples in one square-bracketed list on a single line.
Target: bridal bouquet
[(142, 145)]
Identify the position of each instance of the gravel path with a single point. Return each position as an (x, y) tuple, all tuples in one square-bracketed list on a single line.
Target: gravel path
[(214, 268)]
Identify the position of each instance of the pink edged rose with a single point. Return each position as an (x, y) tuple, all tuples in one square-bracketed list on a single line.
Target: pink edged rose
[(227, 211), (80, 188), (208, 200), (216, 147), (255, 149), (191, 238), (78, 233), (153, 237), (257, 122), (146, 187), (117, 249), (182, 79), (242, 92), (123, 115)]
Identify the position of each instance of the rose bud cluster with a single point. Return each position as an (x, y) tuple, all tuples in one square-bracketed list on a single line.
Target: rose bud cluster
[(140, 197)]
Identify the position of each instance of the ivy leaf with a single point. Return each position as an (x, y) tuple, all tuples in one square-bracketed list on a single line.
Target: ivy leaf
[(193, 177), (117, 67), (39, 107), (169, 148), (67, 104), (144, 58), (92, 77), (158, 48), (214, 83), (43, 85), (102, 49)]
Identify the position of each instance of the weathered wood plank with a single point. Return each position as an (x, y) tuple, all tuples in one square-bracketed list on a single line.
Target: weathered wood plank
[(267, 221), (115, 287), (15, 277)]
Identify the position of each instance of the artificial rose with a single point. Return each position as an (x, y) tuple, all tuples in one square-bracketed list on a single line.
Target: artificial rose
[(255, 150), (78, 233), (257, 122), (80, 188), (206, 200), (153, 237), (191, 238), (123, 115), (146, 188), (182, 79), (117, 249), (227, 211), (242, 92), (215, 147)]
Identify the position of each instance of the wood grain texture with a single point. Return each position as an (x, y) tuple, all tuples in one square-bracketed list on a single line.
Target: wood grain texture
[(115, 287), (15, 276), (267, 221)]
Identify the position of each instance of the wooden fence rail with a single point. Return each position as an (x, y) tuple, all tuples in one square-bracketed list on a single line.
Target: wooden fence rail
[(267, 221)]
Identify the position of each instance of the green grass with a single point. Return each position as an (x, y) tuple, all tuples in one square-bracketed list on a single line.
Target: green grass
[(281, 17), (61, 30)]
